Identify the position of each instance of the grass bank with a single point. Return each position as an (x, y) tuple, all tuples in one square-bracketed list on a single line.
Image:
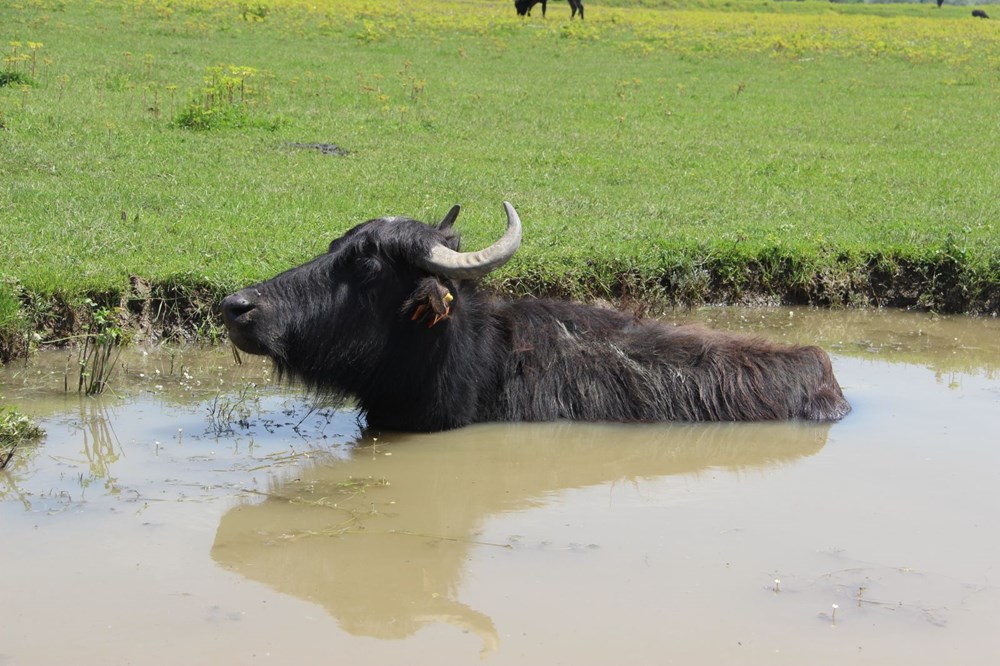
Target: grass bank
[(157, 154)]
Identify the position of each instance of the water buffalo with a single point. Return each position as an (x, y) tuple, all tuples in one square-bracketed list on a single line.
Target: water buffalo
[(523, 7), (979, 13), (391, 315)]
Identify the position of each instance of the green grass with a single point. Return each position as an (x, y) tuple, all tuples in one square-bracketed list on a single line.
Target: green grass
[(817, 152)]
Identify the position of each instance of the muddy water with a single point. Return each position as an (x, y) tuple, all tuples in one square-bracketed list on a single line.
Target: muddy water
[(203, 515)]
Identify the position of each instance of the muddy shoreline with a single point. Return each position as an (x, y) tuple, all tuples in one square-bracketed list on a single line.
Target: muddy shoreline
[(149, 312)]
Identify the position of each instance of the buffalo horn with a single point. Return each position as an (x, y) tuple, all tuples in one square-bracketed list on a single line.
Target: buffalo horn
[(470, 265)]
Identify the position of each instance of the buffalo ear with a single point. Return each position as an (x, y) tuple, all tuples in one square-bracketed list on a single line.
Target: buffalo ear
[(430, 302), (449, 219)]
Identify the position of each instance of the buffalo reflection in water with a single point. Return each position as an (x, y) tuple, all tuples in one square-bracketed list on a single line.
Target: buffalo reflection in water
[(381, 541)]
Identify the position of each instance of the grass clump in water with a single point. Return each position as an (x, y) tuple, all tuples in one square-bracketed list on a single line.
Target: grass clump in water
[(225, 412), (100, 351), (16, 429)]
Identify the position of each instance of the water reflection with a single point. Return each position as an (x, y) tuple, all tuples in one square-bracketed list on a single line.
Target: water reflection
[(89, 422), (10, 487), (100, 444), (380, 540)]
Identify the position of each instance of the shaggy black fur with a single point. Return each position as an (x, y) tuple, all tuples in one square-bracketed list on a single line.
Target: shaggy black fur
[(523, 7), (363, 320)]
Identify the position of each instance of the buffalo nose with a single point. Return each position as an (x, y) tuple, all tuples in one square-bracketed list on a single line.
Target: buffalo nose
[(235, 305)]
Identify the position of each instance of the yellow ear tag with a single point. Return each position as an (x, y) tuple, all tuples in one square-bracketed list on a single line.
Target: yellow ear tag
[(448, 298)]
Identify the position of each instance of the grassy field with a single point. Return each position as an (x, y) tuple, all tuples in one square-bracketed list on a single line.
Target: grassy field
[(153, 152)]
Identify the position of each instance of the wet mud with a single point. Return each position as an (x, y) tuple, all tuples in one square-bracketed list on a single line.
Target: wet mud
[(202, 514)]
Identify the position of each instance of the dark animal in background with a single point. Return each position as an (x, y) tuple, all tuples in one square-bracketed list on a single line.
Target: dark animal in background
[(979, 13), (523, 7), (392, 316), (939, 3)]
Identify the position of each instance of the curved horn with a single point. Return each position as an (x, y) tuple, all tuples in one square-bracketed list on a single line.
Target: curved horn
[(470, 265), (449, 219)]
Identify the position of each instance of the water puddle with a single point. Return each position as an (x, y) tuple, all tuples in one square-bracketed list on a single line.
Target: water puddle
[(204, 515)]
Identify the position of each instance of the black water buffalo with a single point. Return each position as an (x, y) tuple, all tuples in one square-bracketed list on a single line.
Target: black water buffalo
[(523, 7), (391, 315), (979, 13)]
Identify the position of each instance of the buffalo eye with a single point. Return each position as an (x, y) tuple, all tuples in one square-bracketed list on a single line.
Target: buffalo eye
[(368, 267)]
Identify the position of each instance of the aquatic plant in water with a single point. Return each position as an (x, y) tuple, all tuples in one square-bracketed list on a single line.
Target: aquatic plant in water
[(101, 342), (227, 411), (15, 429)]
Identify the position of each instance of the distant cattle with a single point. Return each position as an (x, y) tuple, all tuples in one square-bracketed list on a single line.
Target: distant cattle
[(523, 7), (392, 316), (979, 13)]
